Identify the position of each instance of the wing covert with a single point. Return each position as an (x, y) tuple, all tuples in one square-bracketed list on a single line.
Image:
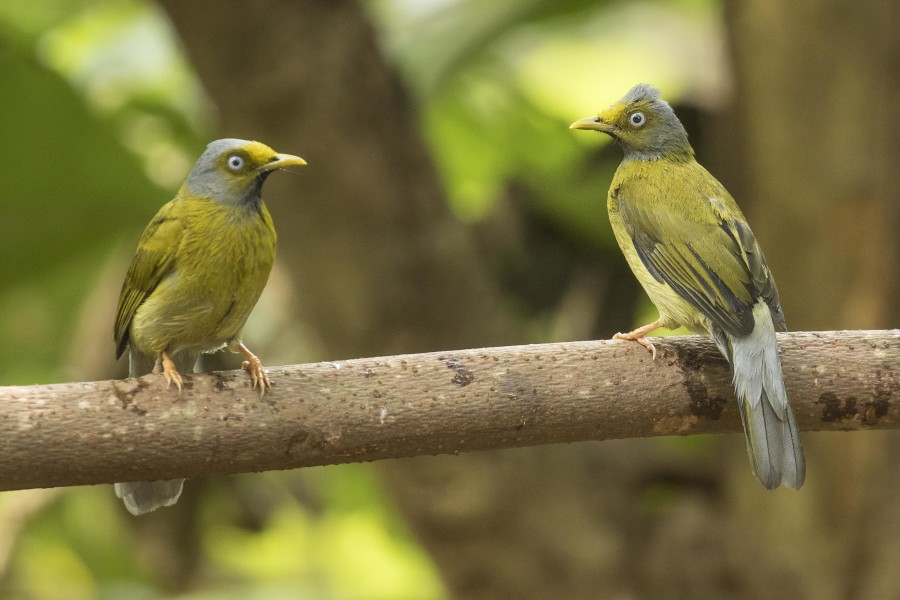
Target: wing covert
[(152, 260), (710, 258)]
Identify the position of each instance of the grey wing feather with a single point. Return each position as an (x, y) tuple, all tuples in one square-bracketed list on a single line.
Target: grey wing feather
[(763, 282)]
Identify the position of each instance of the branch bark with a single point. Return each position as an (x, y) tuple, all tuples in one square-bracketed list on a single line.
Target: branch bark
[(419, 404)]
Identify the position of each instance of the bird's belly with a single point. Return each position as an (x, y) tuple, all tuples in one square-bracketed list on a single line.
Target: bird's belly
[(180, 317), (673, 309)]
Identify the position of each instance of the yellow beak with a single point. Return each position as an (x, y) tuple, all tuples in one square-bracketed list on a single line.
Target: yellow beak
[(594, 123), (283, 161)]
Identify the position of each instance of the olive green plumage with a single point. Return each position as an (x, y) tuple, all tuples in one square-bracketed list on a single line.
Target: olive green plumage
[(200, 266), (690, 247), (224, 256)]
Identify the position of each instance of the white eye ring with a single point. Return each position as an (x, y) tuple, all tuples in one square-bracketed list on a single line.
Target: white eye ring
[(235, 162), (637, 119)]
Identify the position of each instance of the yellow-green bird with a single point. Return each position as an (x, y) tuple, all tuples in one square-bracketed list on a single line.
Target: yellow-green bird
[(200, 266), (690, 247)]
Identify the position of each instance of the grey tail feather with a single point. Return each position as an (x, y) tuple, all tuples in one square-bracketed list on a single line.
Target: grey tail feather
[(773, 439), (794, 460), (141, 497), (765, 443), (139, 364)]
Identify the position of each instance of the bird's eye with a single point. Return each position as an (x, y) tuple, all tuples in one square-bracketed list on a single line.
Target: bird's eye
[(235, 162), (637, 119)]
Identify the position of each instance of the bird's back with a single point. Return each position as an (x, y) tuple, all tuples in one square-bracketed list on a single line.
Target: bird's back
[(651, 196)]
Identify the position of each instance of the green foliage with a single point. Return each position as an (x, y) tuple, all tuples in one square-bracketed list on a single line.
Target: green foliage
[(341, 541), (81, 133), (63, 554), (68, 181), (71, 190)]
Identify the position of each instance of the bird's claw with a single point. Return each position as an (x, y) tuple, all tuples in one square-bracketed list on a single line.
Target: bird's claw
[(253, 365), (640, 339), (258, 376), (170, 372)]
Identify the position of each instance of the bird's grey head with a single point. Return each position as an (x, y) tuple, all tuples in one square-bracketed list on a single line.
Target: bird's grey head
[(644, 125), (232, 171)]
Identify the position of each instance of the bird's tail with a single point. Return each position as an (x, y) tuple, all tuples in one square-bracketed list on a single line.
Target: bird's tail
[(773, 440), (145, 496)]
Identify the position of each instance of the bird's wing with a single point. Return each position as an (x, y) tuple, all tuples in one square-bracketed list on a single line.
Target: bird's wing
[(707, 254), (763, 284), (153, 259)]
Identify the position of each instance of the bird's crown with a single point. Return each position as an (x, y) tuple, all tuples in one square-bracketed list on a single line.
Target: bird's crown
[(642, 92)]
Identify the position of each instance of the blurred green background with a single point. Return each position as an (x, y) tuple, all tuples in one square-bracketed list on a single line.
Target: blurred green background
[(447, 205)]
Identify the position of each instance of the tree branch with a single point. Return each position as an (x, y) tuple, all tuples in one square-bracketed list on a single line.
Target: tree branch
[(436, 403)]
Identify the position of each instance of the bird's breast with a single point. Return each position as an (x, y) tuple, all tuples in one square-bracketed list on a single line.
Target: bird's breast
[(221, 267)]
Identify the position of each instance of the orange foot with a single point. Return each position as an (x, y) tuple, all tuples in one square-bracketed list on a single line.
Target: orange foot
[(639, 335), (257, 373), (170, 372)]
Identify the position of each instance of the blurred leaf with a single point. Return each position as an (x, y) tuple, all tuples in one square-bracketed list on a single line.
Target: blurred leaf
[(69, 183), (78, 160), (462, 32), (354, 548), (27, 20), (71, 190), (485, 133)]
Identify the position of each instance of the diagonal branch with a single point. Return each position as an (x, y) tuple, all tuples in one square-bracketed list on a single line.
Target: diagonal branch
[(436, 403)]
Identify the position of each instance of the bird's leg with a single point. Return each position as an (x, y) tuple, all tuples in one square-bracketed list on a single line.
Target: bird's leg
[(254, 367), (169, 371), (639, 335)]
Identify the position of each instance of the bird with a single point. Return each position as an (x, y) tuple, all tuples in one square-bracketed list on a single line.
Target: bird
[(691, 249), (199, 268)]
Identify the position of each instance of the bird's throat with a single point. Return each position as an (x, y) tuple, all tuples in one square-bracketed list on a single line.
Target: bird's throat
[(252, 199)]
